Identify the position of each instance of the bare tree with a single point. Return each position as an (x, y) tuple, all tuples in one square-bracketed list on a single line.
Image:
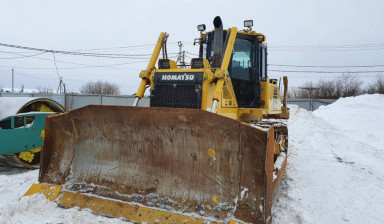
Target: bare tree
[(293, 93), (308, 90), (325, 90), (344, 86), (1, 89), (350, 85), (377, 86), (100, 87)]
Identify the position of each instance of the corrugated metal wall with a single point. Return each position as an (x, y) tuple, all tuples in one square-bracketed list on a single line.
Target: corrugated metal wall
[(74, 101)]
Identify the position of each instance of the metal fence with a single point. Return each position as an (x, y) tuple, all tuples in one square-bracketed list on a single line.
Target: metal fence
[(74, 101), (60, 98), (310, 104)]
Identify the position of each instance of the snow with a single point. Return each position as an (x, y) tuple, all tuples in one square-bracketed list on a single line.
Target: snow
[(243, 191), (35, 208), (365, 110), (335, 172), (17, 90)]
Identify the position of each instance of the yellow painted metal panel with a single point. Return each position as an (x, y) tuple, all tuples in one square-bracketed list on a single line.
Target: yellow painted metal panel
[(142, 88), (129, 212), (114, 208), (151, 65), (50, 191), (156, 52), (229, 48), (270, 94), (180, 70)]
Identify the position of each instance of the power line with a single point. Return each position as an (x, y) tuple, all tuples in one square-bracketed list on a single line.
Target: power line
[(325, 71), (78, 53), (46, 59), (54, 59), (325, 76), (84, 67), (135, 56), (72, 68), (329, 46), (326, 66), (33, 76), (24, 56), (326, 50), (336, 45), (44, 76), (125, 47), (132, 56), (192, 53), (69, 75)]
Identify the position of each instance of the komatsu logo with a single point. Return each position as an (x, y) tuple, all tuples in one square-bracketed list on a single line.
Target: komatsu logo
[(184, 77)]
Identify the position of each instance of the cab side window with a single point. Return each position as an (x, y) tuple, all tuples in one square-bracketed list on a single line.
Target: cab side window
[(262, 61), (6, 123)]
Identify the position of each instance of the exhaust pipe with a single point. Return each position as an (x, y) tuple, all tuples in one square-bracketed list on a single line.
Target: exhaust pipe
[(218, 43)]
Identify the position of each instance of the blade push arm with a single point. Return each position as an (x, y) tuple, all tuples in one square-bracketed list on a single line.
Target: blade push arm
[(144, 75), (221, 73)]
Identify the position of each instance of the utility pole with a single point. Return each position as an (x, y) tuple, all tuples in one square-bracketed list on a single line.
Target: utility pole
[(13, 79), (61, 88), (183, 59), (181, 56), (60, 84)]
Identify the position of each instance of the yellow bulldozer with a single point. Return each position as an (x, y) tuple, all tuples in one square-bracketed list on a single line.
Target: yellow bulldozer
[(211, 148)]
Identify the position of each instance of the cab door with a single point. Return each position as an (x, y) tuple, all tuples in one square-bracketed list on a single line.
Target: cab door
[(243, 71), (260, 69)]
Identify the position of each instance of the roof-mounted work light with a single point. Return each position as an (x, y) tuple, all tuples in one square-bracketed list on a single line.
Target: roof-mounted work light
[(248, 23), (201, 27)]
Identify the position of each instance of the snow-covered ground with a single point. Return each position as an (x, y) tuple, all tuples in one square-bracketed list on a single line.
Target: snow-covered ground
[(335, 172), (36, 209)]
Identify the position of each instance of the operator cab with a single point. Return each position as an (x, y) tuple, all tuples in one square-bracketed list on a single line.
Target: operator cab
[(248, 64)]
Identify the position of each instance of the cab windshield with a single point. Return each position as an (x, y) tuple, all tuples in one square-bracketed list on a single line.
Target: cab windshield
[(241, 60), (246, 68)]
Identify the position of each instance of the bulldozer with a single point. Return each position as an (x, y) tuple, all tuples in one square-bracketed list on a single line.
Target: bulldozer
[(210, 148)]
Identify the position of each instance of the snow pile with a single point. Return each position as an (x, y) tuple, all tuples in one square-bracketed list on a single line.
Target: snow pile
[(335, 170), (359, 117)]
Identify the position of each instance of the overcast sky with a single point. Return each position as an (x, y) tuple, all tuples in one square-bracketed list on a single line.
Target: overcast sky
[(299, 32)]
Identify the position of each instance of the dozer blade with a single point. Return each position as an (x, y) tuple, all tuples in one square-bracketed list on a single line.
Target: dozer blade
[(160, 165)]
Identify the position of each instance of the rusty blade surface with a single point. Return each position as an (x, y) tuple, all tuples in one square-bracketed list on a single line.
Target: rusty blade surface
[(181, 160)]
